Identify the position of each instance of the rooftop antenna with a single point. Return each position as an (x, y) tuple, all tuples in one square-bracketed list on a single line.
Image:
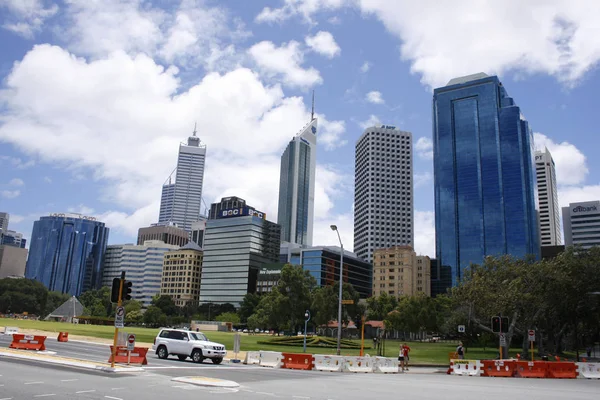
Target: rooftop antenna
[(194, 128), (312, 114)]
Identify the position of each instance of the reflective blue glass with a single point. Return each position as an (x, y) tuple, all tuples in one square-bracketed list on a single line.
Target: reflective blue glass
[(483, 176), (66, 253)]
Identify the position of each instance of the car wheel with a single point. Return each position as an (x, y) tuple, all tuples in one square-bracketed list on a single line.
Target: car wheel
[(216, 360), (197, 356), (182, 358), (162, 352)]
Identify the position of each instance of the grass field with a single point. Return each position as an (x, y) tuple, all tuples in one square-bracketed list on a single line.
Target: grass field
[(421, 353)]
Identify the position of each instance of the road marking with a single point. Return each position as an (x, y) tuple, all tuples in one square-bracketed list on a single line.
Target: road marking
[(85, 391), (6, 398), (117, 388), (265, 393), (300, 397), (114, 398), (32, 383), (69, 380), (45, 395)]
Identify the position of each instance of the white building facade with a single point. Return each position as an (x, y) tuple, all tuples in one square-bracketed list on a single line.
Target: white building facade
[(581, 224), (383, 192), (143, 266), (548, 208), (181, 201), (297, 187)]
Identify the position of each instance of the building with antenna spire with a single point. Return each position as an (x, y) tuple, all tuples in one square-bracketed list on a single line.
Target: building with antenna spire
[(181, 201), (297, 185)]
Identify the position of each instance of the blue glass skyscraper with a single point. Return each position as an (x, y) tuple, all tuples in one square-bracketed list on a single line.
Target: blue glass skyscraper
[(66, 253), (483, 174)]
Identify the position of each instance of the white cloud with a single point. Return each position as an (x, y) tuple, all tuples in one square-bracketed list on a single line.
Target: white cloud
[(323, 43), (331, 132), (119, 120), (422, 179), (372, 121), (424, 147), (561, 40), (10, 194), (425, 233), (335, 20), (47, 179), (571, 168), (81, 209), (575, 194), (26, 17), (365, 67), (16, 182), (375, 97), (284, 62), (17, 162)]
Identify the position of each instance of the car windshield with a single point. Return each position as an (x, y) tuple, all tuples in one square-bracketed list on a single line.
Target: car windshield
[(197, 336)]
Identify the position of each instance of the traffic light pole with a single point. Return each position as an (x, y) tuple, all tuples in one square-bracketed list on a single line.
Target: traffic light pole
[(500, 337), (114, 351)]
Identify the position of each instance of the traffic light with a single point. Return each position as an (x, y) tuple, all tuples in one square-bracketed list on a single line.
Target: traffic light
[(358, 322), (500, 324), (127, 290), (114, 293)]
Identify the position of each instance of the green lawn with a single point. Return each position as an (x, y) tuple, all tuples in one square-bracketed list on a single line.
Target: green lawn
[(421, 353)]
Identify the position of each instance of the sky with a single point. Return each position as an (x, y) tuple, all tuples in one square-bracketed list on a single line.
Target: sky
[(96, 95)]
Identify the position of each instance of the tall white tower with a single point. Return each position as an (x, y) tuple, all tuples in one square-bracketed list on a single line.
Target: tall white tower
[(181, 201), (383, 192), (297, 187), (549, 216)]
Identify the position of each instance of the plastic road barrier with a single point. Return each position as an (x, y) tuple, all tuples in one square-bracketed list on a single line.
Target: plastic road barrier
[(63, 337), (589, 370), (562, 370), (386, 365), (358, 364), (252, 358), (328, 363), (498, 368), (531, 369), (465, 367), (137, 356), (9, 330), (28, 342), (270, 359), (297, 361)]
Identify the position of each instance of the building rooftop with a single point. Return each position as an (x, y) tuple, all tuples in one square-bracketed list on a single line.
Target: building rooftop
[(467, 78)]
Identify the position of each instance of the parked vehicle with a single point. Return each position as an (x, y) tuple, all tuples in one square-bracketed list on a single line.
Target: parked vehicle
[(184, 344)]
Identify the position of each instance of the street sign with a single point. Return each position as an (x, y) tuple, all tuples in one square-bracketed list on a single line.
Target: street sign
[(237, 341), (502, 340), (531, 334), (130, 342), (120, 317), (461, 328), (347, 301)]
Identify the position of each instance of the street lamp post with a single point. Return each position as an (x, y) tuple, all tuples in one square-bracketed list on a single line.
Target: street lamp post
[(306, 319), (339, 338)]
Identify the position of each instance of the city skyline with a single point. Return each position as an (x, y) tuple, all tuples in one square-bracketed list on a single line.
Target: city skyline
[(97, 133)]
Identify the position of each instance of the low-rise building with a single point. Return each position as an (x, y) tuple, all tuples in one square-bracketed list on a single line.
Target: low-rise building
[(398, 271), (181, 274), (165, 232)]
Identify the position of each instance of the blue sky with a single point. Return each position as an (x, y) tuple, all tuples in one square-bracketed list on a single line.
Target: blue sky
[(96, 95)]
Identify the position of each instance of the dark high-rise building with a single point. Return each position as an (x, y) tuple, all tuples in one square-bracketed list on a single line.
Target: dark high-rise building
[(66, 253), (483, 174), (441, 278)]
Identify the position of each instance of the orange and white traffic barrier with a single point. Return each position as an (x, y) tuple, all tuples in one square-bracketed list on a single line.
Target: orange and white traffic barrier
[(465, 367), (63, 337), (28, 342)]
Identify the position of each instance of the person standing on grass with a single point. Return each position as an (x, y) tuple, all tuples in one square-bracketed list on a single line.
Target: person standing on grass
[(401, 357), (406, 351), (460, 351)]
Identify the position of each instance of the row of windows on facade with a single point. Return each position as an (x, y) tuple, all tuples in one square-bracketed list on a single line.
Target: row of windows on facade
[(181, 273), (181, 291), (193, 283)]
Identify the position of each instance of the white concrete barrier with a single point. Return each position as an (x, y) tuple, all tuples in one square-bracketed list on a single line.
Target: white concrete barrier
[(387, 365), (466, 367), (271, 359), (358, 364), (252, 358), (9, 330), (588, 370), (328, 363)]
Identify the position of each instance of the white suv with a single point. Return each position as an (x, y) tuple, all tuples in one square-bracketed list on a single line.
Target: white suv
[(186, 344)]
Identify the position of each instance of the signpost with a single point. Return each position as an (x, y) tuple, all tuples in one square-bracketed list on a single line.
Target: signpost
[(119, 299), (237, 343), (461, 329), (130, 346), (120, 317), (347, 301), (531, 335)]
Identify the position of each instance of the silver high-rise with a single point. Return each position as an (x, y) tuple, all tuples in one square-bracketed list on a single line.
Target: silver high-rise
[(383, 193), (549, 214), (297, 187), (181, 201)]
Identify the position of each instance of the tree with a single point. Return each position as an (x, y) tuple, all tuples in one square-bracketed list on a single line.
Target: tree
[(134, 317), (98, 302), (166, 305), (234, 318), (379, 307), (248, 306), (22, 295), (132, 305), (324, 305), (155, 317)]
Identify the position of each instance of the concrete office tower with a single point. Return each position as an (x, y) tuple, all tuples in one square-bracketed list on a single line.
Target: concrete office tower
[(581, 223), (143, 266), (181, 273), (66, 253), (12, 261), (483, 174), (399, 271), (237, 243), (181, 201), (548, 207), (297, 187), (383, 192), (198, 230), (168, 233), (4, 218)]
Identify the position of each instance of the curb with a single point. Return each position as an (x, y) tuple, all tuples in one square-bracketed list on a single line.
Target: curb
[(89, 365), (206, 381)]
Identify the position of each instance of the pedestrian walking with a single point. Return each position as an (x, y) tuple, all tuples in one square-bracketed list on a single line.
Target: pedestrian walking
[(401, 357), (460, 351), (406, 350)]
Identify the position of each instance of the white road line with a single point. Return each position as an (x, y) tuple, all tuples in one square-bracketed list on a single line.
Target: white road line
[(1, 385), (6, 398), (45, 395), (69, 380), (113, 398), (85, 391), (117, 388), (300, 397), (32, 383)]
